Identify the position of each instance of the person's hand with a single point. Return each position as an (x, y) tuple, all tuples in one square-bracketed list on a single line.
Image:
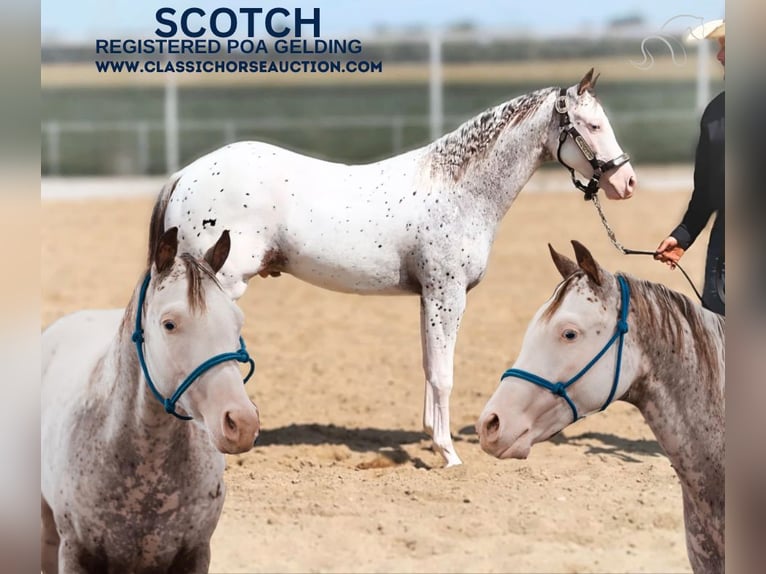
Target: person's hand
[(669, 252)]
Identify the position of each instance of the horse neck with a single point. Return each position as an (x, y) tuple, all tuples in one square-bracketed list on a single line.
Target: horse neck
[(680, 385), (492, 156), (130, 400)]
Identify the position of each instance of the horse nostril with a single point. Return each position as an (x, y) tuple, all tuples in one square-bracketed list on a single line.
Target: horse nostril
[(632, 182), (239, 427), (491, 427), (230, 422)]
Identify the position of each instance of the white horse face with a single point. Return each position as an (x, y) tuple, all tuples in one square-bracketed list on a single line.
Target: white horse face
[(565, 334), (588, 116), (189, 319)]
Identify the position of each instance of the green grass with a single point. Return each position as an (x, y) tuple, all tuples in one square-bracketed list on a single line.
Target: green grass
[(657, 139)]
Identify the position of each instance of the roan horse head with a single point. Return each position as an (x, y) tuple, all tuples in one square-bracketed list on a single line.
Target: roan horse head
[(589, 120), (187, 319), (565, 336)]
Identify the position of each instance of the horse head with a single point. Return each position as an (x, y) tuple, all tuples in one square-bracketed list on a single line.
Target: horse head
[(188, 333), (582, 139), (574, 360)]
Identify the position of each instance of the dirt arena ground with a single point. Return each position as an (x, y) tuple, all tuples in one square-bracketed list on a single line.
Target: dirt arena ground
[(342, 478)]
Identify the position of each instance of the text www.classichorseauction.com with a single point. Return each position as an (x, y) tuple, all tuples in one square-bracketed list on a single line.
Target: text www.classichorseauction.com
[(224, 41)]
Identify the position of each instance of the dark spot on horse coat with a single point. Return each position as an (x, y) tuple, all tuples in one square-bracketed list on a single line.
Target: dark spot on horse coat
[(206, 222)]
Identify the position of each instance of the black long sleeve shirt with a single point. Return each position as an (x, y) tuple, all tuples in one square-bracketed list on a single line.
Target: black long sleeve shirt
[(708, 194)]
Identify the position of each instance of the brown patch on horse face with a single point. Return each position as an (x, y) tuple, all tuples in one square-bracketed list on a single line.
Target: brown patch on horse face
[(272, 264)]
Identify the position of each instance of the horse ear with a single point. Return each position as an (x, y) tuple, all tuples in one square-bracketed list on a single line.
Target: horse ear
[(585, 83), (586, 262), (165, 251), (593, 83), (564, 264), (217, 254)]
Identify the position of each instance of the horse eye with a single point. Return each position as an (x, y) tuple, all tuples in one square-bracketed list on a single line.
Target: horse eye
[(169, 325), (569, 335), (594, 127)]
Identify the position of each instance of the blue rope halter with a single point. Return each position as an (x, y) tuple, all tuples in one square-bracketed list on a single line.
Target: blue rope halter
[(560, 389), (169, 403)]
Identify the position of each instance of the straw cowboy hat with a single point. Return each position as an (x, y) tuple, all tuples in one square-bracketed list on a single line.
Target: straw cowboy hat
[(708, 31)]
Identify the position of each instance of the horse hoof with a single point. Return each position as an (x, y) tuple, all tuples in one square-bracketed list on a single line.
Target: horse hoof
[(452, 461)]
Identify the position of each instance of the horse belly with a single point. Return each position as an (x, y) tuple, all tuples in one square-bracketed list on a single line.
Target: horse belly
[(346, 250), (331, 225), (345, 271)]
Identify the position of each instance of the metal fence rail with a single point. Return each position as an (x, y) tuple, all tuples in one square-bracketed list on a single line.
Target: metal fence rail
[(137, 145)]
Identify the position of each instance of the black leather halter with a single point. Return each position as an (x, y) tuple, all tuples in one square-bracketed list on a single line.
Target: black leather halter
[(600, 167)]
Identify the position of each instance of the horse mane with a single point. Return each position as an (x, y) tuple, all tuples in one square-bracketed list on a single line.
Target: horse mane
[(456, 150), (662, 314)]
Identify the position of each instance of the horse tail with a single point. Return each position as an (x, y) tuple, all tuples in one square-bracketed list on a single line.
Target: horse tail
[(157, 221)]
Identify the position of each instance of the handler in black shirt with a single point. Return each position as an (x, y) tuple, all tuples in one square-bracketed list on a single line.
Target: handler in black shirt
[(707, 197)]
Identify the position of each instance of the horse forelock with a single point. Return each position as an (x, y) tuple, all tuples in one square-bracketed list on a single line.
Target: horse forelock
[(559, 294), (194, 271), (455, 151)]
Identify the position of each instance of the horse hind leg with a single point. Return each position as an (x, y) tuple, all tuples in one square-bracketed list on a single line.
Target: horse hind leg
[(428, 400), (49, 540)]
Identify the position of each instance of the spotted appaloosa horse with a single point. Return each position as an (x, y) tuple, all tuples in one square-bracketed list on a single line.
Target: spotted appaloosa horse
[(670, 364), (419, 223), (125, 486)]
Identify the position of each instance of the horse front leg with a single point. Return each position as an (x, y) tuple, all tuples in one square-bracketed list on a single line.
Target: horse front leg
[(440, 319), (49, 540), (195, 561)]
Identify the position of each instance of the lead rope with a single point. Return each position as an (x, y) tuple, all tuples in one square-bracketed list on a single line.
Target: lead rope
[(625, 251)]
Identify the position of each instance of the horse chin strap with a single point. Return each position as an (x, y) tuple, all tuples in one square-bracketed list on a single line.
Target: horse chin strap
[(560, 388), (600, 167)]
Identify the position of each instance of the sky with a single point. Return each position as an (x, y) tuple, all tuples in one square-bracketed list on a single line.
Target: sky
[(88, 19)]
